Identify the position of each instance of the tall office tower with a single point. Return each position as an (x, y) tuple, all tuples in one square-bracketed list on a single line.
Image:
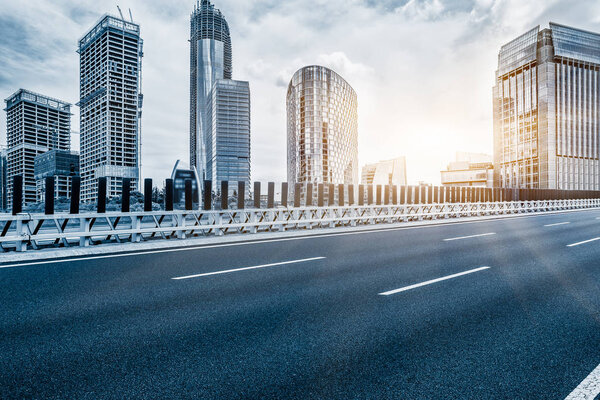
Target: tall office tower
[(322, 128), (3, 181), (546, 110), (35, 124), (390, 172), (228, 156), (110, 62), (210, 59), (60, 164)]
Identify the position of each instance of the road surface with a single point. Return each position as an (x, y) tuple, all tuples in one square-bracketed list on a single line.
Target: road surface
[(497, 309)]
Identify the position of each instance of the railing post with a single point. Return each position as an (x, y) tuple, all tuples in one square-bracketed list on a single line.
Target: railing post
[(224, 195), (169, 195), (284, 194), (75, 194), (271, 195), (21, 231), (147, 195), (256, 194), (320, 195), (101, 209), (189, 201), (125, 195), (207, 195), (297, 195), (49, 196), (241, 195), (361, 195), (331, 200), (17, 195)]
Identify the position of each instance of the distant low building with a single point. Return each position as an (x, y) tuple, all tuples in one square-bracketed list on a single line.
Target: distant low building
[(390, 172), (181, 173), (62, 165), (469, 169)]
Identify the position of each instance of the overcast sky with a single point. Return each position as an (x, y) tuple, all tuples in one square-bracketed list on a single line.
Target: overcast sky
[(423, 69)]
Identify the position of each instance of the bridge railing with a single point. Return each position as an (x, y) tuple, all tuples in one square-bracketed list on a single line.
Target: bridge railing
[(26, 231)]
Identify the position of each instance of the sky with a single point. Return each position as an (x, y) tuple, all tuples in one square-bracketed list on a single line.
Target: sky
[(423, 70)]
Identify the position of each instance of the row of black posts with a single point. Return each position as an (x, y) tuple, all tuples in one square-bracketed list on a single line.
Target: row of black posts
[(304, 195)]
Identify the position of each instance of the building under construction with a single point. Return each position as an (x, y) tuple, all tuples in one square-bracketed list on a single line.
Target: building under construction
[(35, 124), (110, 105)]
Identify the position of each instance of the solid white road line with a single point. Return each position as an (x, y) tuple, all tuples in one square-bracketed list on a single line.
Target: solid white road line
[(557, 224), (247, 268), (588, 389), (584, 242), (468, 237), (404, 289)]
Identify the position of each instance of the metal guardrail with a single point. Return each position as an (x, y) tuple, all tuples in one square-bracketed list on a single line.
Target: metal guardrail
[(35, 231)]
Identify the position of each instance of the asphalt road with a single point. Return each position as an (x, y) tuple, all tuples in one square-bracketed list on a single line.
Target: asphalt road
[(315, 325)]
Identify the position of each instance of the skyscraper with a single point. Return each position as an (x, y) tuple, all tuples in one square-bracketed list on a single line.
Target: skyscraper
[(322, 128), (219, 106), (35, 124), (110, 58), (546, 110)]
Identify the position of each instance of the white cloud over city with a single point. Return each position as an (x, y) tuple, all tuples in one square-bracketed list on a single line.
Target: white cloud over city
[(423, 70)]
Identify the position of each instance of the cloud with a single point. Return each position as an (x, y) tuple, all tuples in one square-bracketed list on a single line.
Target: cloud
[(422, 69)]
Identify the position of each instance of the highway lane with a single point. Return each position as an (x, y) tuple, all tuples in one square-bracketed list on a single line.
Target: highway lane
[(527, 327)]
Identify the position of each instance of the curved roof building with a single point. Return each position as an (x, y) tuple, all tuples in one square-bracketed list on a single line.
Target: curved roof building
[(322, 128), (210, 59)]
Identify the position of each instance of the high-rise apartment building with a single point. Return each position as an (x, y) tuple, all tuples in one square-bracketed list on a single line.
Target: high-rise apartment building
[(110, 62), (322, 128), (389, 172), (3, 182), (35, 124), (546, 110)]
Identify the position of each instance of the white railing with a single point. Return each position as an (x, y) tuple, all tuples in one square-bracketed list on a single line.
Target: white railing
[(34, 231)]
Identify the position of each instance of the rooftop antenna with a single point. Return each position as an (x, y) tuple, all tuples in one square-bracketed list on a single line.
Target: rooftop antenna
[(119, 8), (130, 16)]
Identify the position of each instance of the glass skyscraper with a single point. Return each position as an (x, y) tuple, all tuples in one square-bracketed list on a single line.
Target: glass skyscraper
[(219, 106), (547, 110), (322, 128)]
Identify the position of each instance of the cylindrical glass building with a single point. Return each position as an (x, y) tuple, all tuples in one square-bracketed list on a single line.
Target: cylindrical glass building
[(322, 128)]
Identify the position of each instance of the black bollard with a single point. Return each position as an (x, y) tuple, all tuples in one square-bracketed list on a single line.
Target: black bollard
[(101, 195), (189, 200), (271, 195), (49, 196), (125, 194), (147, 194), (207, 195), (224, 195), (169, 195), (241, 195), (256, 194), (284, 194), (75, 194)]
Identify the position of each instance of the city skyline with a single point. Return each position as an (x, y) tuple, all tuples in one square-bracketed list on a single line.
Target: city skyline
[(390, 105)]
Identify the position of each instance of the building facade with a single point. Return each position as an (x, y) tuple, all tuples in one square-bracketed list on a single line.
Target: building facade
[(390, 172), (228, 156), (35, 124), (110, 57), (322, 128), (62, 165), (546, 110), (469, 169), (3, 181)]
